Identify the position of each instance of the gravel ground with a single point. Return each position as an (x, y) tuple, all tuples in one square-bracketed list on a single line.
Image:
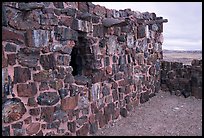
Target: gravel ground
[(162, 115)]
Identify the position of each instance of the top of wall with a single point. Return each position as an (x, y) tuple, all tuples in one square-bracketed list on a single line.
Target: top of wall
[(87, 10)]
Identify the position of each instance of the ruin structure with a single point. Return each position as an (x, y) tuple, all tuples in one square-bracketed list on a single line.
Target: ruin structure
[(69, 68)]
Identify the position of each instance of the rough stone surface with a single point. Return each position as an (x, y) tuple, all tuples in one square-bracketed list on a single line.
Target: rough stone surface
[(69, 103), (33, 128), (48, 61), (47, 114), (37, 38), (82, 65), (21, 75), (48, 98), (29, 57), (12, 110), (26, 90)]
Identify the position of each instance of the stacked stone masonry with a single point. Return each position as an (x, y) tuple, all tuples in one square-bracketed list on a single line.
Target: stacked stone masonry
[(69, 68), (182, 79)]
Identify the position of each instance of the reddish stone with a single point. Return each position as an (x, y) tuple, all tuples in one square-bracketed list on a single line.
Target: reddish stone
[(4, 59), (100, 10), (34, 111), (122, 82), (127, 89), (58, 5), (26, 90), (92, 118), (109, 13), (28, 120), (21, 75), (48, 61), (94, 108), (47, 113), (83, 7), (116, 113), (66, 21), (12, 110), (69, 103), (108, 70), (33, 128), (11, 59), (40, 133), (98, 30), (115, 95), (101, 120), (14, 36), (83, 131), (197, 92), (30, 21), (42, 76)]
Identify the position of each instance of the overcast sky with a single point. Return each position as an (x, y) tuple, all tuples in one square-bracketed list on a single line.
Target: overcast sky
[(183, 31)]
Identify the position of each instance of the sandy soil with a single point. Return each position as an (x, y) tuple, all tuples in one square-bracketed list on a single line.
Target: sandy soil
[(162, 115)]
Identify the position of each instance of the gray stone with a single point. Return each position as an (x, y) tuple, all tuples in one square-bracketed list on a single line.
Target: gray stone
[(60, 115), (30, 6), (144, 97), (81, 25), (93, 128), (123, 112), (38, 38), (105, 90), (69, 11), (130, 41), (141, 33), (83, 102), (48, 98), (111, 45), (10, 47), (6, 131), (63, 93), (64, 34), (95, 91), (28, 57), (4, 16)]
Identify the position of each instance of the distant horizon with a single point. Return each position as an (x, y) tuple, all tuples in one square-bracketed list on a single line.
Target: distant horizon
[(179, 50)]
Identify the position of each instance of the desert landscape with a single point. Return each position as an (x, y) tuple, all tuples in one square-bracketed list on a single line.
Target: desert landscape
[(181, 56)]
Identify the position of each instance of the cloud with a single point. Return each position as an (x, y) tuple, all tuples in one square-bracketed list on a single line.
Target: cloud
[(184, 27)]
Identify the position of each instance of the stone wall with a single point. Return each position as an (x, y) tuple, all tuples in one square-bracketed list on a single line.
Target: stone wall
[(69, 68), (182, 79)]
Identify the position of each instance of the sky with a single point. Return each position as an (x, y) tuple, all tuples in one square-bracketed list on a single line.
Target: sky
[(183, 31)]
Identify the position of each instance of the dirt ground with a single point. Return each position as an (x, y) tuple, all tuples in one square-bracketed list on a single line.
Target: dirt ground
[(162, 115)]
